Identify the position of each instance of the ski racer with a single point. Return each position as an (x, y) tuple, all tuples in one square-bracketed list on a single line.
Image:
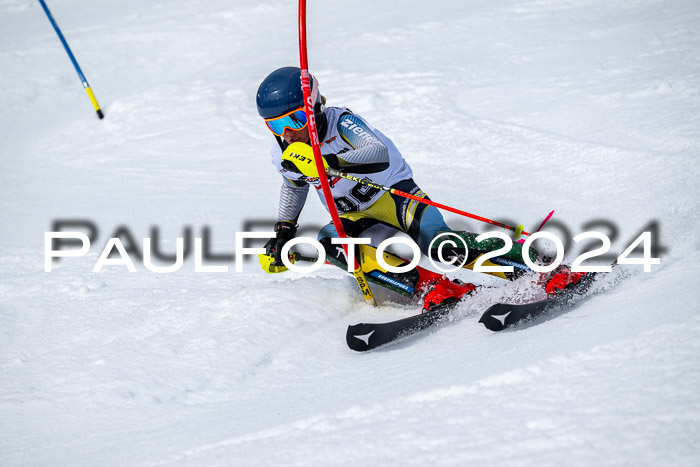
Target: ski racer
[(350, 144)]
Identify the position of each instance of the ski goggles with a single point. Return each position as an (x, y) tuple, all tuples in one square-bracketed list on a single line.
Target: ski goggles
[(294, 120)]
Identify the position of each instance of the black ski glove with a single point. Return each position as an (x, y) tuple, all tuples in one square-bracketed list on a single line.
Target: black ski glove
[(285, 232)]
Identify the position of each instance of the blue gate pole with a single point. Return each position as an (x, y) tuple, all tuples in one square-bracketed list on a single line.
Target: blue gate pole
[(75, 62)]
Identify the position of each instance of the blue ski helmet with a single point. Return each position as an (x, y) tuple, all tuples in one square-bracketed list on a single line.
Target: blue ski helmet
[(281, 92)]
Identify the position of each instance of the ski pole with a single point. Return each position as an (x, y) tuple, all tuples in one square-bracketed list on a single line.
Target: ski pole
[(75, 62), (313, 134), (337, 173)]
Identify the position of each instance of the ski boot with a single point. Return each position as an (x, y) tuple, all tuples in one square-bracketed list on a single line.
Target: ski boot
[(563, 278), (445, 293)]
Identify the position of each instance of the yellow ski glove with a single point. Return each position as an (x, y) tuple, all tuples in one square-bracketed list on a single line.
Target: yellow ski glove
[(301, 156), (271, 261), (267, 263)]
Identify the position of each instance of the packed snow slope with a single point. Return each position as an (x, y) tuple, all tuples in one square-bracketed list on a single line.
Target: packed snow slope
[(506, 109)]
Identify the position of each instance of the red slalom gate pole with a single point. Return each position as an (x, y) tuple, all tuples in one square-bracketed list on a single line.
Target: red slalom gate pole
[(318, 158)]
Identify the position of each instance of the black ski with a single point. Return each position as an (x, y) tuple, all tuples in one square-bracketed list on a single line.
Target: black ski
[(503, 315), (367, 336)]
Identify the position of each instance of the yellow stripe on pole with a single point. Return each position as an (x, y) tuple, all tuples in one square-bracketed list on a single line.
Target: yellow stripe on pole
[(92, 98), (94, 102)]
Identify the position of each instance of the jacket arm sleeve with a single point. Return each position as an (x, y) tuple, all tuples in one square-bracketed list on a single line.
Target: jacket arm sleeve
[(369, 154), (292, 200)]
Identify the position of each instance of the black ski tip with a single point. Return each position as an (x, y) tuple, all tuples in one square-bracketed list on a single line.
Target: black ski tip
[(496, 317), (359, 337), (100, 114), (504, 315)]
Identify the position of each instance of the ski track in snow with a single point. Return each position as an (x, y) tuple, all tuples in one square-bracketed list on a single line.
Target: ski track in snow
[(510, 109)]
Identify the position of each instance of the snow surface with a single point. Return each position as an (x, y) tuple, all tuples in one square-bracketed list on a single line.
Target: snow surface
[(507, 109)]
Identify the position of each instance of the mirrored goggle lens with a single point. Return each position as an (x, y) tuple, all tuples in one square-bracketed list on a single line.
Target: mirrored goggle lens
[(295, 120)]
